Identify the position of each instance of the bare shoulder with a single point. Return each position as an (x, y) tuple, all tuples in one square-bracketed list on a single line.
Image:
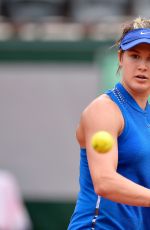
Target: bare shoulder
[(102, 109), (101, 114), (103, 101)]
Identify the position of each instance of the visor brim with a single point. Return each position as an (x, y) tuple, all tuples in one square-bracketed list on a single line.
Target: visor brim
[(134, 43)]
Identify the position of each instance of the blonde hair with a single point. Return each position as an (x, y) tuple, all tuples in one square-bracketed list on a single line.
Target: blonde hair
[(135, 24)]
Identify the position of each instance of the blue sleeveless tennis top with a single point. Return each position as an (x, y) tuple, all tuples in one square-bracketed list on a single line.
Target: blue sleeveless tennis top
[(93, 212)]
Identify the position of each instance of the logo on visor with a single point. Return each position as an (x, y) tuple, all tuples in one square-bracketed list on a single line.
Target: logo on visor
[(142, 33)]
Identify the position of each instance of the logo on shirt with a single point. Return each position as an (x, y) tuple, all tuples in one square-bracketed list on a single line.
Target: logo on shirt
[(142, 33)]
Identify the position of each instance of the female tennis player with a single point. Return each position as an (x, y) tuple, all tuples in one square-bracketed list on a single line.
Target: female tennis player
[(115, 187)]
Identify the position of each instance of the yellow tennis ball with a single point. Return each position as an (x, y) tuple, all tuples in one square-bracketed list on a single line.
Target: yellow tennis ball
[(102, 141)]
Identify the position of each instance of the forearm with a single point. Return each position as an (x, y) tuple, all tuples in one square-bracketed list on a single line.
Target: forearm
[(122, 190)]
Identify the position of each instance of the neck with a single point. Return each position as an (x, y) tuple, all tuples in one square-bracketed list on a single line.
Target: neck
[(140, 98)]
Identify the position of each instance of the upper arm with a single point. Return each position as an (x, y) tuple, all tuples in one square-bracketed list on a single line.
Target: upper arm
[(102, 114)]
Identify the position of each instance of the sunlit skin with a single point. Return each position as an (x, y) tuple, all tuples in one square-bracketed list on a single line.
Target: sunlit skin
[(135, 65)]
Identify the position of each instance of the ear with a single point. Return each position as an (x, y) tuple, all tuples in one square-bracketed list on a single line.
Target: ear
[(120, 57)]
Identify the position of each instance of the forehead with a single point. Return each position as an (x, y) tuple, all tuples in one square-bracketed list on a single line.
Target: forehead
[(141, 47)]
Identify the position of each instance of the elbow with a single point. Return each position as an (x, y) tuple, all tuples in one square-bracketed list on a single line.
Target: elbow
[(101, 190), (103, 187)]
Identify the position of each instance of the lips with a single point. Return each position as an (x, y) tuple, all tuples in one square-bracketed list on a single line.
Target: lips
[(142, 77)]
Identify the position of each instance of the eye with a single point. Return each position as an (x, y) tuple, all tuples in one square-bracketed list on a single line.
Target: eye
[(135, 56)]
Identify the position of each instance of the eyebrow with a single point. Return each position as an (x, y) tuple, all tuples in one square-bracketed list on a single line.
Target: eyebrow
[(136, 52), (133, 50)]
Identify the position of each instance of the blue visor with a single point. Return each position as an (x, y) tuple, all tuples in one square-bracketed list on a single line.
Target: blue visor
[(135, 37)]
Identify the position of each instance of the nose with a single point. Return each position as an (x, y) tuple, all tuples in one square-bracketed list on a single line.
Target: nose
[(142, 65)]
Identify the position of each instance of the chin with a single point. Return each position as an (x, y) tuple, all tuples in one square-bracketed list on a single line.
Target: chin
[(141, 88), (137, 87)]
